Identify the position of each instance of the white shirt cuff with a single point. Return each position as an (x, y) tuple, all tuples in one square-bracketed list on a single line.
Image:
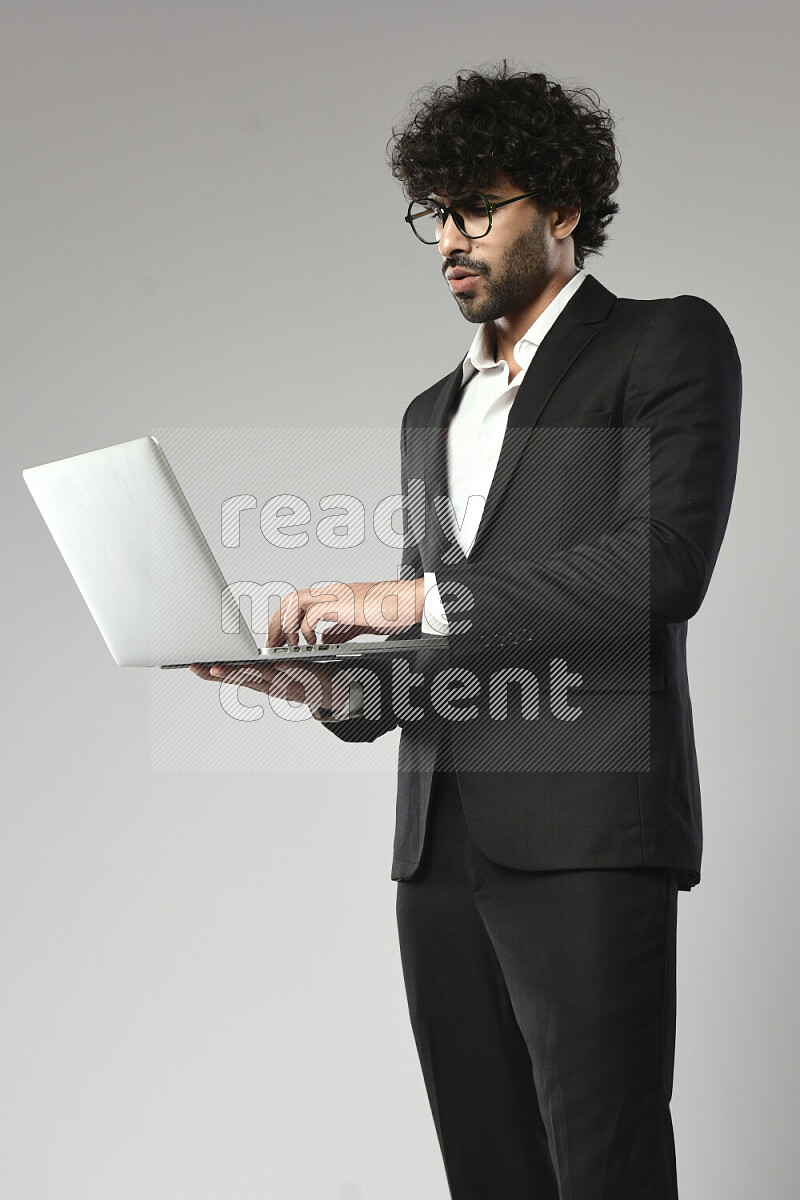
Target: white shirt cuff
[(434, 618)]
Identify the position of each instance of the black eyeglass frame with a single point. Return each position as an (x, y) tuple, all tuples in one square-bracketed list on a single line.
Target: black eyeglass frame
[(446, 211)]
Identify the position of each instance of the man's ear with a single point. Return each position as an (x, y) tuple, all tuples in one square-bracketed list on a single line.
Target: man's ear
[(566, 220)]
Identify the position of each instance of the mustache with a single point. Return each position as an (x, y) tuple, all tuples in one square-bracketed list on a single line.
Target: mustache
[(452, 264)]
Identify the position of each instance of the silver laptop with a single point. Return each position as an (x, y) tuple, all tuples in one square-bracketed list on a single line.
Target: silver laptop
[(148, 575)]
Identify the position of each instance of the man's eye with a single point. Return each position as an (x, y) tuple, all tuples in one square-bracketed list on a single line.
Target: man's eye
[(471, 204)]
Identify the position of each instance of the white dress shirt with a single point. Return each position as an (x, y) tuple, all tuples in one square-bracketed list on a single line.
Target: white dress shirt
[(474, 441), (476, 430)]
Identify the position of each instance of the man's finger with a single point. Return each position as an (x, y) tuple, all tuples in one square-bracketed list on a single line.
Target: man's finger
[(239, 674), (323, 597), (284, 621), (276, 635), (298, 685), (202, 670)]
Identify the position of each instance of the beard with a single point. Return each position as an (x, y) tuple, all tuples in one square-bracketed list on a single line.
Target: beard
[(515, 281)]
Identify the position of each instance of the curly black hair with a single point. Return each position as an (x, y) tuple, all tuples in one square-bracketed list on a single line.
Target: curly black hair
[(550, 140)]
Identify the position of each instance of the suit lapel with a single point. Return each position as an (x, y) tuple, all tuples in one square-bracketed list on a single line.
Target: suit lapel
[(436, 484), (571, 332)]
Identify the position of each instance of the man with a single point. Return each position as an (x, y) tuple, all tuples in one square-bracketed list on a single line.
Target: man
[(537, 907)]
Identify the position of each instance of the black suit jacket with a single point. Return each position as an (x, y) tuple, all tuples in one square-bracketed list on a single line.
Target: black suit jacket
[(553, 553)]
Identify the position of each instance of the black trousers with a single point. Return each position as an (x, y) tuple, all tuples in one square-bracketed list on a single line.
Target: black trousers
[(543, 1008)]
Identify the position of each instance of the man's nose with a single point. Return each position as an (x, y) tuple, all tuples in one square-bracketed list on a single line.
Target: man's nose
[(452, 240)]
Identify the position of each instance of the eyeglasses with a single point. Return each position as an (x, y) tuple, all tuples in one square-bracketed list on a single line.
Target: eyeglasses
[(472, 216)]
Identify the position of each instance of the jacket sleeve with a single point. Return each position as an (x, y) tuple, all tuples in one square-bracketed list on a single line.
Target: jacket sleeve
[(380, 719), (685, 387)]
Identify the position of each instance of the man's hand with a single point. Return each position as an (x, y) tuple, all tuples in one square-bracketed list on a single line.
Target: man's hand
[(285, 681), (384, 607)]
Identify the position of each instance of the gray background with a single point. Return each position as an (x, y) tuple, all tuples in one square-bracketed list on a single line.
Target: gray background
[(201, 992)]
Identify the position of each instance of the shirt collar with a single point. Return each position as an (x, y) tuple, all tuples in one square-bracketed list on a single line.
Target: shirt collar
[(480, 356)]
